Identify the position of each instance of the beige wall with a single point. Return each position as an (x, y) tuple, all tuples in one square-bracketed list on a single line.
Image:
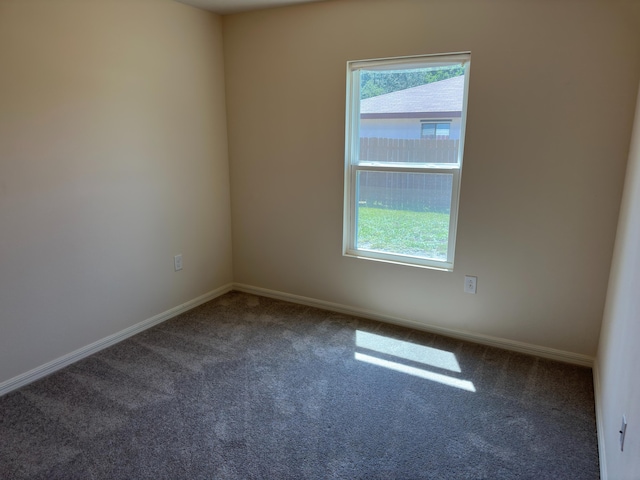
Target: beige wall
[(619, 355), (552, 90), (113, 159)]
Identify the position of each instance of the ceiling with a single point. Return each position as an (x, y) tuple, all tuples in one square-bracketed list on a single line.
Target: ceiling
[(234, 6)]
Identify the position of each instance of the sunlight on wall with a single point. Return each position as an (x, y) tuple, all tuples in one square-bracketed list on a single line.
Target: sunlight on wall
[(415, 353)]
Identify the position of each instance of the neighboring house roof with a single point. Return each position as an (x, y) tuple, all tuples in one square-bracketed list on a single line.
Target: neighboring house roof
[(432, 99)]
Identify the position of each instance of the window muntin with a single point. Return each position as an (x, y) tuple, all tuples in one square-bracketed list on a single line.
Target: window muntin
[(401, 191)]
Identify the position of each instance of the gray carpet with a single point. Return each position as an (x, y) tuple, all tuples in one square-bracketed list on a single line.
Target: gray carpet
[(246, 387)]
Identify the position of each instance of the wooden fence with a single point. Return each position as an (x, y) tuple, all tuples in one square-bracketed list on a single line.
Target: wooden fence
[(408, 150), (422, 192), (419, 192)]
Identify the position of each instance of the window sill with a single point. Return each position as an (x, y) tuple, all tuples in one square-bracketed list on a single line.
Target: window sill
[(410, 262)]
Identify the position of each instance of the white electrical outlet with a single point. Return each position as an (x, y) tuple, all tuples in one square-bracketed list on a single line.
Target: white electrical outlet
[(470, 284), (177, 262), (623, 431)]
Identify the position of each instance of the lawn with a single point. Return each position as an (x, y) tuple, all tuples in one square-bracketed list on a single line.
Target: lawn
[(423, 234)]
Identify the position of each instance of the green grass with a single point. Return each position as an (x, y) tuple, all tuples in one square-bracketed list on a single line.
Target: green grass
[(423, 234)]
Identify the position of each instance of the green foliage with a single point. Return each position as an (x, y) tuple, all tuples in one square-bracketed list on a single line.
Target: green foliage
[(374, 83), (423, 234), (370, 89)]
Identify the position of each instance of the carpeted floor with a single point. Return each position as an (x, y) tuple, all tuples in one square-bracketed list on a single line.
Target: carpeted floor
[(246, 387)]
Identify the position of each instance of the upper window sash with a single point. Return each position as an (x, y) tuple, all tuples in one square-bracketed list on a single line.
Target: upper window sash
[(353, 117)]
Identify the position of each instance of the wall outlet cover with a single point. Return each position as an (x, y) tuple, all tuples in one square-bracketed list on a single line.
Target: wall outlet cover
[(470, 284), (177, 262)]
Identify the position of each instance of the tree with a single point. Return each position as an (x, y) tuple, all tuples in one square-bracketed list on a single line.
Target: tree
[(374, 83)]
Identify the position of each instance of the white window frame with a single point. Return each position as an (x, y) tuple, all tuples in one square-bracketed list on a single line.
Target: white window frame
[(353, 165)]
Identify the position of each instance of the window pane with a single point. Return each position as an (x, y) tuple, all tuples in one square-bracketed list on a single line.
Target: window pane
[(404, 213), (395, 108), (430, 149), (442, 130), (436, 130), (428, 129)]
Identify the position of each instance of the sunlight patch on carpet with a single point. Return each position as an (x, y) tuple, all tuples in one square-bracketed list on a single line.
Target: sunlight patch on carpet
[(418, 372), (402, 350), (433, 357)]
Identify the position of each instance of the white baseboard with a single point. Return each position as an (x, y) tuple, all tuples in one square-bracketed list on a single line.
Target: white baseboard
[(530, 349), (602, 454), (61, 362)]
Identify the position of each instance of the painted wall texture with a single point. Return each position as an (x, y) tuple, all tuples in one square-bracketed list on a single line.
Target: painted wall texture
[(618, 355), (548, 128), (113, 158)]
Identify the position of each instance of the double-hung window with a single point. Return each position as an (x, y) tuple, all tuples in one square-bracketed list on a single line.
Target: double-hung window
[(403, 170)]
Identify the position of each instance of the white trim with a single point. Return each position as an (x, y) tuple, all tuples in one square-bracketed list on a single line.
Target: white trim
[(435, 168), (61, 362), (530, 349), (445, 59), (506, 344), (399, 259), (352, 151), (602, 454)]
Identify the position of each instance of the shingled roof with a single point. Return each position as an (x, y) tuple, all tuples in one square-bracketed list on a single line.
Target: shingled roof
[(444, 96)]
